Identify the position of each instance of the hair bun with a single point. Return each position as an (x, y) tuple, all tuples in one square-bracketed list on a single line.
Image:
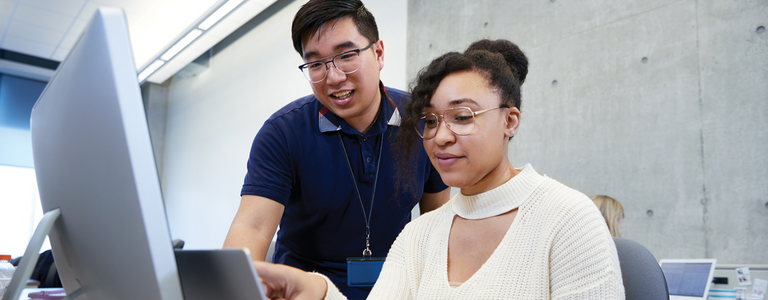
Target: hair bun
[(514, 57)]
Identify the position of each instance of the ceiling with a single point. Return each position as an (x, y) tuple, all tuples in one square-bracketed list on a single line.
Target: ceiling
[(50, 28)]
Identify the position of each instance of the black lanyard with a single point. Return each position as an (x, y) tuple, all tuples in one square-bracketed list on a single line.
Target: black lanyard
[(367, 217)]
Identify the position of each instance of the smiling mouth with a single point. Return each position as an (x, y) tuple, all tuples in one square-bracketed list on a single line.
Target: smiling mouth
[(342, 95)]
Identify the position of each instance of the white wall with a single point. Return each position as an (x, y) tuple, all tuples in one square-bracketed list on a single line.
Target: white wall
[(213, 117)]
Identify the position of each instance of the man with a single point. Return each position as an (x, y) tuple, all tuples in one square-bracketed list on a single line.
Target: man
[(323, 166)]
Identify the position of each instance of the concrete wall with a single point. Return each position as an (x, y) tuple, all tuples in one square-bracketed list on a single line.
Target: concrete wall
[(213, 117), (660, 104)]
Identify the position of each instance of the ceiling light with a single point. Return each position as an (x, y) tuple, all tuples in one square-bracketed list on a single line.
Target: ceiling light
[(194, 36), (181, 44), (219, 13), (150, 69)]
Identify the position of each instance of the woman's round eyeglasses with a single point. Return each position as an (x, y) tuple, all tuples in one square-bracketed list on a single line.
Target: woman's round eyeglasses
[(460, 120), (347, 62)]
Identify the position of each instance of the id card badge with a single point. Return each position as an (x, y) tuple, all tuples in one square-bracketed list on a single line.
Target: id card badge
[(363, 271)]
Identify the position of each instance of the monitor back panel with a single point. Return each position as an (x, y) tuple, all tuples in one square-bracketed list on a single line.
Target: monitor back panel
[(94, 161)]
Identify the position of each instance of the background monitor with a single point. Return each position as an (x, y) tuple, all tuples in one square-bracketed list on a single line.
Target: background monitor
[(688, 279), (94, 161)]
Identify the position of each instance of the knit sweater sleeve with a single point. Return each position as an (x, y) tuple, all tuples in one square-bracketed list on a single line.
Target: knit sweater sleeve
[(399, 277), (393, 282), (332, 292), (584, 263)]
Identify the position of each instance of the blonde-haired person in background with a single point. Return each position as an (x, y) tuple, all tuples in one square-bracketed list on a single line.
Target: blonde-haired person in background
[(612, 211)]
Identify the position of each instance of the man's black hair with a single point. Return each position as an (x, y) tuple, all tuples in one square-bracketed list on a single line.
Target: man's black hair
[(315, 13)]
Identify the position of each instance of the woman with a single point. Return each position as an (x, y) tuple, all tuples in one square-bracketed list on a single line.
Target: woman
[(612, 211), (510, 233)]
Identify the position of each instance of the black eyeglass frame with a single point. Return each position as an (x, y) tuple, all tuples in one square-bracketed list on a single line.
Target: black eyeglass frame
[(332, 60)]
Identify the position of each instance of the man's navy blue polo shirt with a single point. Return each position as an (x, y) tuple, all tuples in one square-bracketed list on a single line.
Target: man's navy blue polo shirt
[(297, 160)]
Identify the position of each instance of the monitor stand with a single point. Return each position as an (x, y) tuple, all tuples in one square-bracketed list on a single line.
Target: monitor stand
[(29, 260)]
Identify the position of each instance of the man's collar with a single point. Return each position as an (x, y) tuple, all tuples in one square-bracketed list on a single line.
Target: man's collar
[(328, 121), (390, 107)]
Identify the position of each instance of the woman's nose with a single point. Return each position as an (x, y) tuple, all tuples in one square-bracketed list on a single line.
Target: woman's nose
[(444, 134)]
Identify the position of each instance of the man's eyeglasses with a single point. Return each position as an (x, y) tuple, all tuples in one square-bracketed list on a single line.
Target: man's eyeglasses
[(460, 120), (347, 62)]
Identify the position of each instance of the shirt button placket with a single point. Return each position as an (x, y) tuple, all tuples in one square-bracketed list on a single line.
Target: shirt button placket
[(368, 145)]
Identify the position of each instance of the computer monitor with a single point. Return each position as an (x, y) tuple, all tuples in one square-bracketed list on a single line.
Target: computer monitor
[(94, 161), (688, 279)]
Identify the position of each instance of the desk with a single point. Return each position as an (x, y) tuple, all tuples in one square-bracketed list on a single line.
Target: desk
[(25, 292)]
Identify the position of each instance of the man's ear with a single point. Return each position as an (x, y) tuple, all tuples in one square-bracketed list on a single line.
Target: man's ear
[(511, 122), (378, 48)]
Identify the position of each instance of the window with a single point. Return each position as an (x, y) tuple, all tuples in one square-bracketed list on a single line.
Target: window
[(20, 209)]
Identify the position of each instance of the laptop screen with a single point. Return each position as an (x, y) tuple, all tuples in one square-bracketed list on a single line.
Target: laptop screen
[(687, 278)]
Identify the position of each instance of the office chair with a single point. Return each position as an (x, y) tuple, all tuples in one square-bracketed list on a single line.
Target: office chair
[(642, 276)]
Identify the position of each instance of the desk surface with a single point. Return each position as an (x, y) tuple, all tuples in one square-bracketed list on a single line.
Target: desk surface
[(25, 292)]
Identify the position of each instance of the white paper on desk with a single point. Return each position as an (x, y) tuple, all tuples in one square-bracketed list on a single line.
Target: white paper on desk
[(759, 287), (742, 274)]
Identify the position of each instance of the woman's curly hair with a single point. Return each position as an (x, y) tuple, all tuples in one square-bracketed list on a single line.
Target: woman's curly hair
[(500, 62)]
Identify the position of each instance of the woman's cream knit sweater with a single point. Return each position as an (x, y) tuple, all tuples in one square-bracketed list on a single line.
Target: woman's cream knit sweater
[(558, 247)]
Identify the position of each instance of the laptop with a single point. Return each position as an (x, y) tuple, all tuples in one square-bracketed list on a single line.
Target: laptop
[(688, 279), (218, 274)]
